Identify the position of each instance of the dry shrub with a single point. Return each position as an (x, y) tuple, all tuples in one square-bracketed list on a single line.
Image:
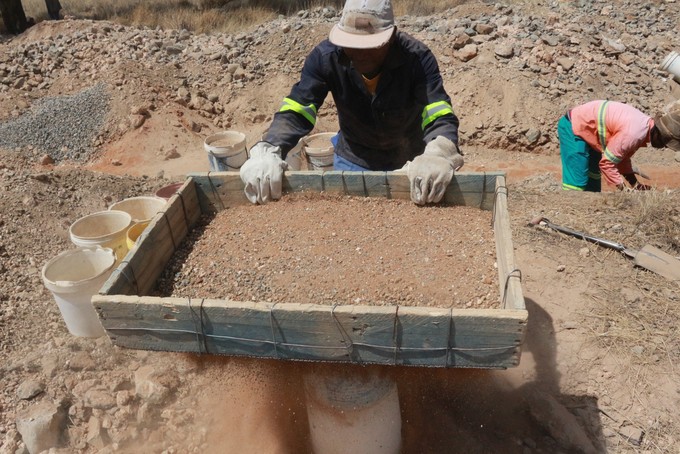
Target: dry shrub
[(659, 215), (649, 217), (206, 16), (424, 7), (245, 18)]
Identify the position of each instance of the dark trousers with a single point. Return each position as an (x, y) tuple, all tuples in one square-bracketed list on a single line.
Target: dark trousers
[(53, 8)]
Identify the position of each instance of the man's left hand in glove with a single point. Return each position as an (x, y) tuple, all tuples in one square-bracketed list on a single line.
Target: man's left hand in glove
[(430, 173)]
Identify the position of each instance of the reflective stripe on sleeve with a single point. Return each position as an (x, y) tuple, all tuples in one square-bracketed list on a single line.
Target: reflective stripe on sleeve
[(611, 157), (309, 112), (435, 110)]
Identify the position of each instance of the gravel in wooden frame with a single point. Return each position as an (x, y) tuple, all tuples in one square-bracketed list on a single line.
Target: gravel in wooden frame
[(336, 249)]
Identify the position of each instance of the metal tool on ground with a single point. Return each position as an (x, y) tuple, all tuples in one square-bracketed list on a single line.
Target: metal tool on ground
[(649, 257)]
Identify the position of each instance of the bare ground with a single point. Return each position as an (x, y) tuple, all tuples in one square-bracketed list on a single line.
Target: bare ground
[(599, 363)]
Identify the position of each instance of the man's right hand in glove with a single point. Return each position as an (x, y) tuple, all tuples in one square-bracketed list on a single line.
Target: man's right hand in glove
[(262, 173)]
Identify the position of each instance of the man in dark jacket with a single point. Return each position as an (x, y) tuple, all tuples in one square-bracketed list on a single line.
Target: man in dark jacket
[(393, 110)]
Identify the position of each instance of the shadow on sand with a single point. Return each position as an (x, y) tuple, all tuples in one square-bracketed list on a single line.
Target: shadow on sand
[(491, 411)]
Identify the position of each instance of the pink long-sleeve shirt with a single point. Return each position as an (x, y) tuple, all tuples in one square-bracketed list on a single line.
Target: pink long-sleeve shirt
[(625, 130)]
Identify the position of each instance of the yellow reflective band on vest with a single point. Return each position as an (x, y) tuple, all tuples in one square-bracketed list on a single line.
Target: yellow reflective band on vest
[(568, 187), (435, 110), (309, 112), (602, 134)]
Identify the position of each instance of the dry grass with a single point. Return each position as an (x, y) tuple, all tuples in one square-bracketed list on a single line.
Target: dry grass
[(645, 317), (634, 315), (640, 323), (653, 216), (208, 16)]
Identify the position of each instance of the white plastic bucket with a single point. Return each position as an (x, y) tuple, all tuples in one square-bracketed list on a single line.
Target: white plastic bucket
[(141, 209), (671, 64), (319, 150), (104, 228), (73, 277), (353, 411), (226, 150)]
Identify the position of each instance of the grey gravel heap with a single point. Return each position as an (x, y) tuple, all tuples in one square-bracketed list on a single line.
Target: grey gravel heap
[(63, 127)]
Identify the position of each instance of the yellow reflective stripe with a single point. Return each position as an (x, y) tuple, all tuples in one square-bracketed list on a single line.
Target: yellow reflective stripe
[(435, 110), (611, 157), (568, 187), (309, 112), (602, 134), (601, 126), (594, 176)]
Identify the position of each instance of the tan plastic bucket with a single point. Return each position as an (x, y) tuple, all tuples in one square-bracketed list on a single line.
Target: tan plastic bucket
[(319, 151), (104, 228), (134, 232), (73, 277), (226, 151), (141, 209)]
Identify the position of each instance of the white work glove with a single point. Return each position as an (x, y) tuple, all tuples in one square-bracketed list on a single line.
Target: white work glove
[(262, 173), (430, 173)]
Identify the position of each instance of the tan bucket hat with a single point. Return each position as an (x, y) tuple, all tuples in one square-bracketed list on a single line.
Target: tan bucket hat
[(669, 126), (364, 24)]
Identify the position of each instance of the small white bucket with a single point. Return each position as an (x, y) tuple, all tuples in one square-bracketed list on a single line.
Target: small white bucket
[(141, 209), (73, 277), (671, 64), (353, 411), (226, 151), (319, 150), (107, 229)]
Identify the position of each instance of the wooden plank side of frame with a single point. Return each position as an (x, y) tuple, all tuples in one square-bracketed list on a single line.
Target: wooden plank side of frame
[(509, 276), (333, 183), (409, 336), (217, 190)]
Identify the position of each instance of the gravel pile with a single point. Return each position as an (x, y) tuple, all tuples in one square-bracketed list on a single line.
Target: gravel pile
[(63, 127)]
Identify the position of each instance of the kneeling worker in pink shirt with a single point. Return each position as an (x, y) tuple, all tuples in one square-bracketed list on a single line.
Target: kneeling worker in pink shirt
[(599, 138)]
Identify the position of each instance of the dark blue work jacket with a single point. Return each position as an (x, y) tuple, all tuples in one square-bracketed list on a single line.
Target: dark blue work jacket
[(377, 132)]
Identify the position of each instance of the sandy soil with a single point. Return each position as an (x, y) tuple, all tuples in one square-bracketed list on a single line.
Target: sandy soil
[(296, 250)]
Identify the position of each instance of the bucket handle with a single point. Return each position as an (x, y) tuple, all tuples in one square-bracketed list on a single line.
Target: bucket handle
[(245, 144)]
